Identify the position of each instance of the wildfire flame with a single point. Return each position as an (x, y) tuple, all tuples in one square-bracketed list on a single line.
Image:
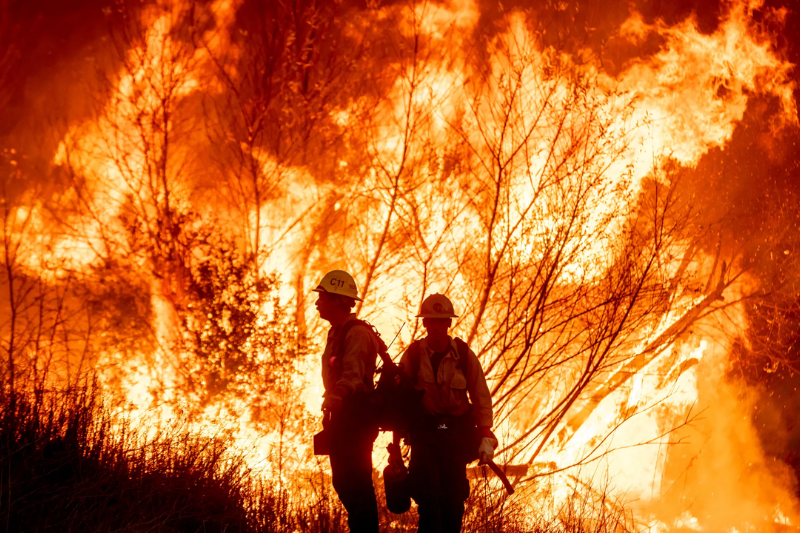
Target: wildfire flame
[(447, 125)]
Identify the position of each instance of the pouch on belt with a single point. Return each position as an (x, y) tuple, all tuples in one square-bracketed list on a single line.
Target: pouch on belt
[(322, 442)]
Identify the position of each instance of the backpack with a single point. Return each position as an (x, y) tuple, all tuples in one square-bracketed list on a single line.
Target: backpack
[(394, 402), (400, 400)]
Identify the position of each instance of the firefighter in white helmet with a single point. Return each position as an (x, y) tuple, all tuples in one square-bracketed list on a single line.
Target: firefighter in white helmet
[(348, 367), (452, 431)]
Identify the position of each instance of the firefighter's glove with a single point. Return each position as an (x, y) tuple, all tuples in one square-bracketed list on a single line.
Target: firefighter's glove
[(486, 450), (332, 403)]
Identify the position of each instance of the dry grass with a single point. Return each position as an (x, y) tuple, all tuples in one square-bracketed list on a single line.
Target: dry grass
[(68, 464)]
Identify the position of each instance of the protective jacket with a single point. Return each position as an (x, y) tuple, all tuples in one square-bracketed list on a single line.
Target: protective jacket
[(356, 370), (455, 384)]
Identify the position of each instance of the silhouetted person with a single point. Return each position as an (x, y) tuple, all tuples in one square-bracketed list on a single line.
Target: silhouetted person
[(348, 367), (452, 431)]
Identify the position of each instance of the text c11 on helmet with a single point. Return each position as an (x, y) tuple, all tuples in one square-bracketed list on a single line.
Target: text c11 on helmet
[(437, 306), (339, 282)]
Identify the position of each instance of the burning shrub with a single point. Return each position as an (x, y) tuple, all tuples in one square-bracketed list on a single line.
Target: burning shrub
[(237, 335)]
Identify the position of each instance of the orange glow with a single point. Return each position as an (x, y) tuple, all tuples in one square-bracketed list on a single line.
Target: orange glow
[(462, 161)]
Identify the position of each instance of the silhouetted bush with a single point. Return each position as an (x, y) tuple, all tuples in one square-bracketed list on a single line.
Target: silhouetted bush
[(66, 465)]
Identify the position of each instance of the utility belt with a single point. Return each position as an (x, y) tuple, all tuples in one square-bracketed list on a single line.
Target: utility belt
[(439, 422), (462, 427)]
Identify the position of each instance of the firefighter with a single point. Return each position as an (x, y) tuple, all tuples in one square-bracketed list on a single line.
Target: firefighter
[(348, 367), (451, 431)]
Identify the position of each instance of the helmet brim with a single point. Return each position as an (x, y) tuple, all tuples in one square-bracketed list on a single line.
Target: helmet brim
[(322, 289), (436, 316)]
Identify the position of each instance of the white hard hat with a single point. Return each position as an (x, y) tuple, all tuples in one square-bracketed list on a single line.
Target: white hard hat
[(437, 306), (339, 282)]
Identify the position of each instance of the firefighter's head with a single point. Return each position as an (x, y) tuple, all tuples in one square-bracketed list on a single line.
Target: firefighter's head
[(337, 295), (437, 315)]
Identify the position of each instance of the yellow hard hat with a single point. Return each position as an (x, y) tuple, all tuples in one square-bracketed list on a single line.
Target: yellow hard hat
[(339, 282), (437, 306)]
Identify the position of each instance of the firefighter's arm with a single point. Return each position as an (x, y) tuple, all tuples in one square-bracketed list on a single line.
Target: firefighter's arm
[(358, 349)]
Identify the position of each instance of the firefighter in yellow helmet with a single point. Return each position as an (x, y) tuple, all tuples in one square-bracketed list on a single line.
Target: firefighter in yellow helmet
[(348, 368), (452, 431)]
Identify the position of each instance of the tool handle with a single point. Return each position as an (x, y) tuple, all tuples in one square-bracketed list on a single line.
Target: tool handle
[(499, 473)]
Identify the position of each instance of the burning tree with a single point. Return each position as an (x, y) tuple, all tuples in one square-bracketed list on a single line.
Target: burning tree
[(510, 180)]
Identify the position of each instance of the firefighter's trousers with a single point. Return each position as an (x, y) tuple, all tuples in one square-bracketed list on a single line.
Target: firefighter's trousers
[(351, 467), (438, 476)]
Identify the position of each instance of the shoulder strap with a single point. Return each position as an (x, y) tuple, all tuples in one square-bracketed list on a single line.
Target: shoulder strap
[(383, 351), (463, 360), (346, 327), (414, 353), (463, 356)]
